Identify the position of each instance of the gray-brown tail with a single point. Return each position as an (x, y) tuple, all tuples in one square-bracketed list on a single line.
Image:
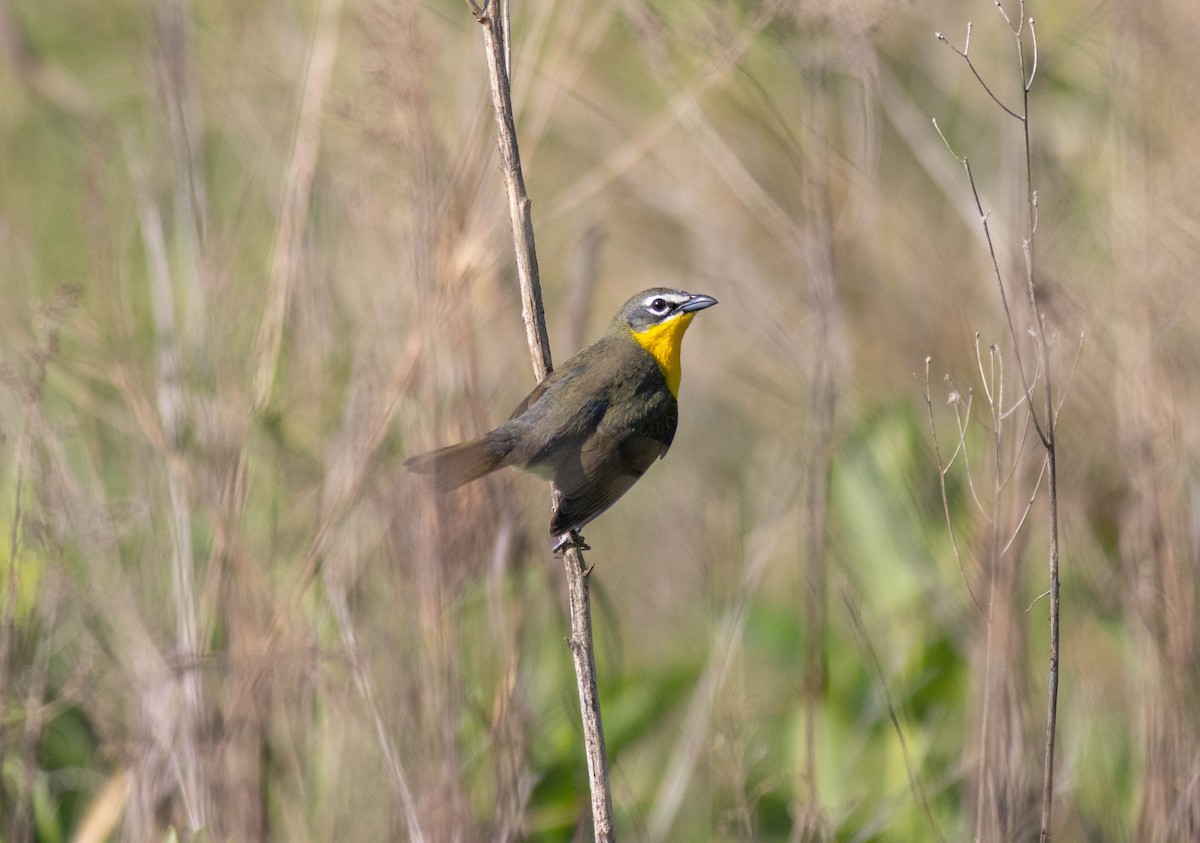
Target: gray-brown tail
[(458, 464)]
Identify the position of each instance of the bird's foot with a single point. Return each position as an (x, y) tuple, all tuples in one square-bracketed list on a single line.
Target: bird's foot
[(570, 539)]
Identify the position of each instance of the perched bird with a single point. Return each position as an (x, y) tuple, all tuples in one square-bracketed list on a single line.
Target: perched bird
[(597, 422)]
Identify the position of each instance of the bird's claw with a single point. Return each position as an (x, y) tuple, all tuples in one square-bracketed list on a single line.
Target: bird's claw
[(570, 539)]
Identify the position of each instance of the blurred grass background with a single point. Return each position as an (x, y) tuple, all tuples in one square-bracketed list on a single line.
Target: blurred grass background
[(256, 253)]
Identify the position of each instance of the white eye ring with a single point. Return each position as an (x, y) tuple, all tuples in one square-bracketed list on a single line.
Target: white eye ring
[(659, 305)]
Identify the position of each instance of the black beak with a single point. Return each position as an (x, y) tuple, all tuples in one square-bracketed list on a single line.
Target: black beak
[(697, 302)]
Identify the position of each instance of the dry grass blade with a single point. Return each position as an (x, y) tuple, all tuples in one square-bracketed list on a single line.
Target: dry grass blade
[(293, 209)]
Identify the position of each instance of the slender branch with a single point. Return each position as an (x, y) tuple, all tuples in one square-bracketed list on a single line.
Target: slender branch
[(983, 376), (1021, 440), (494, 17), (1008, 314), (962, 419), (1051, 418), (964, 53), (942, 469), (991, 248), (1049, 439), (1016, 531), (1070, 377), (1046, 426)]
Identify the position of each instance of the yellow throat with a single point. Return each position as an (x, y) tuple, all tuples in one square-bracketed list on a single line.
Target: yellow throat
[(663, 341)]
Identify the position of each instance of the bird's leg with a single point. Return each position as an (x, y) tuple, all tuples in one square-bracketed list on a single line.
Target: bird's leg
[(570, 539)]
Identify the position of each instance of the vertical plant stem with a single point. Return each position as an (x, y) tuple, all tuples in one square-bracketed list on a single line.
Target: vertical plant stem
[(297, 192), (822, 411), (187, 755), (582, 652), (1052, 683), (495, 28), (8, 622), (1050, 425), (1023, 28), (494, 19)]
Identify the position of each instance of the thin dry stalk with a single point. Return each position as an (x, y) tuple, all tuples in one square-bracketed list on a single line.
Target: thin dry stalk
[(495, 33), (944, 467), (495, 22), (811, 822), (1022, 29), (366, 689), (1155, 417), (170, 407), (865, 645), (293, 211), (335, 510), (723, 656), (510, 732), (184, 120), (40, 357), (36, 714), (365, 423), (1000, 715), (8, 623)]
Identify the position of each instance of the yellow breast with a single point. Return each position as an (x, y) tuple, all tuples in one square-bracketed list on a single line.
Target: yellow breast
[(663, 341)]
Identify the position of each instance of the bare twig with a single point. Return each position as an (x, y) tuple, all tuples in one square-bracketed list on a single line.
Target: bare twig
[(493, 16), (1025, 514), (942, 469), (1051, 420), (1026, 381), (991, 248), (1046, 425), (962, 419), (1070, 377), (965, 53)]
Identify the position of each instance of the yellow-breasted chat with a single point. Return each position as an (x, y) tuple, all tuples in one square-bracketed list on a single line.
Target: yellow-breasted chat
[(597, 422)]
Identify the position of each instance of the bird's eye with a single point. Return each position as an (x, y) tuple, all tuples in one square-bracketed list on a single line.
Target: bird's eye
[(658, 306)]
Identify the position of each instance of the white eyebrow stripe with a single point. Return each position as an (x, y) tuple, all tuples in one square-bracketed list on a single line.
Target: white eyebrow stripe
[(674, 298)]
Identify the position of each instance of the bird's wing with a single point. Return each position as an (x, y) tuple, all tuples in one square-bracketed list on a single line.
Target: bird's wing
[(537, 392), (554, 381), (607, 465), (582, 366)]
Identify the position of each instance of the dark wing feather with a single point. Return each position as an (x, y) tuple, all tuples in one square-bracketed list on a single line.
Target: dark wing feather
[(537, 392), (554, 381), (607, 466)]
